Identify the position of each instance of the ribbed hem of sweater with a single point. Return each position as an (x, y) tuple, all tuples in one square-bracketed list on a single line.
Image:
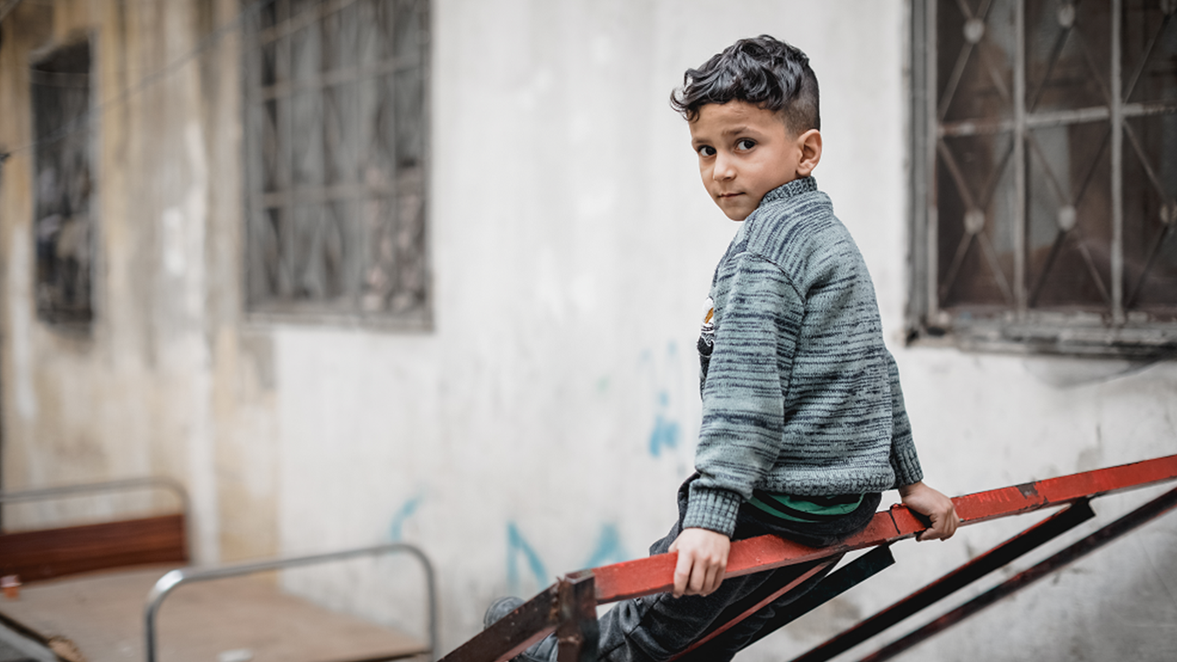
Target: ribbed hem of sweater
[(712, 509)]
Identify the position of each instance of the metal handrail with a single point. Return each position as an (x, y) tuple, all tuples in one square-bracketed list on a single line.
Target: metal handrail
[(105, 486), (188, 575), (124, 484)]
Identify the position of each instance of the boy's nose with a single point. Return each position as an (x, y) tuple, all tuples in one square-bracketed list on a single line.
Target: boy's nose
[(724, 168)]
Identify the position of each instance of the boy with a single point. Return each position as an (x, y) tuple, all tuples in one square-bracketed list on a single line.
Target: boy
[(803, 418)]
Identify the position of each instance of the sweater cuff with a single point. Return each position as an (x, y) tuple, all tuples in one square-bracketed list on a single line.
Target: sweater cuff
[(712, 509), (905, 462)]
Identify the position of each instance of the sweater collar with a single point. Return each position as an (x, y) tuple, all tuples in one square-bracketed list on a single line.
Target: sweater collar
[(789, 190)]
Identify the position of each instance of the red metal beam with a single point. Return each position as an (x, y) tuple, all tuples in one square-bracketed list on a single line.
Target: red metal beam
[(1125, 524), (540, 615), (514, 633), (577, 630), (980, 566), (655, 574)]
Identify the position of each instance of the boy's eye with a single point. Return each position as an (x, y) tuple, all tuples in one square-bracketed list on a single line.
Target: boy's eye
[(706, 150), (745, 144)]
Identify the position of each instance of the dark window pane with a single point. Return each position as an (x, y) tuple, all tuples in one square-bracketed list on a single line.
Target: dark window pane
[(975, 60), (1069, 217), (1150, 216), (976, 247), (336, 160), (63, 220), (1150, 51), (1068, 55)]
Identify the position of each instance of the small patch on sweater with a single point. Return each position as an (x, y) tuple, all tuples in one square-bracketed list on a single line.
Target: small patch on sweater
[(707, 332), (706, 339)]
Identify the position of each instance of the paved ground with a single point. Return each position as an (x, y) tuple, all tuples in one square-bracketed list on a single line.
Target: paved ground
[(15, 647), (229, 620)]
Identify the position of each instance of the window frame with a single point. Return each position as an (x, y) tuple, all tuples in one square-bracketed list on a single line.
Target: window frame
[(1017, 329), (347, 310)]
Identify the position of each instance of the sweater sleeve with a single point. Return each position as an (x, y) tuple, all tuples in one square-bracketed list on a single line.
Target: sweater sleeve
[(904, 460), (756, 333)]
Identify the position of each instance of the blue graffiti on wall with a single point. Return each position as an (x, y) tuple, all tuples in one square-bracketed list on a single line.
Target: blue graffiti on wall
[(518, 546), (608, 548), (667, 430), (406, 511)]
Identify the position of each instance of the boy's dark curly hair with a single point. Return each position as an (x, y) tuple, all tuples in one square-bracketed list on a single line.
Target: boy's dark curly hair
[(763, 71)]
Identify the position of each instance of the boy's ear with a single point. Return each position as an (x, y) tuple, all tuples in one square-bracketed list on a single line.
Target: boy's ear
[(810, 145)]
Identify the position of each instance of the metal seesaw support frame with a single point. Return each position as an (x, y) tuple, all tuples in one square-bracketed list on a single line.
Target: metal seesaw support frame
[(572, 613)]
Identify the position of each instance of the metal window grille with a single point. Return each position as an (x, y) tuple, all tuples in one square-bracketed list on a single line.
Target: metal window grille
[(1044, 171), (336, 123), (62, 221)]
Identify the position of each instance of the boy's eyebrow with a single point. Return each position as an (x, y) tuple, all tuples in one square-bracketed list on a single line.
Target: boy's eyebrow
[(735, 130), (730, 131)]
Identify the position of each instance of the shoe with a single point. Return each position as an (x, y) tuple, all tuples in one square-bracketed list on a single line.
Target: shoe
[(539, 652), (498, 609)]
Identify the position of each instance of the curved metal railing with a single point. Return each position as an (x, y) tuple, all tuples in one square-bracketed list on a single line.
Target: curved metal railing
[(125, 484), (175, 578)]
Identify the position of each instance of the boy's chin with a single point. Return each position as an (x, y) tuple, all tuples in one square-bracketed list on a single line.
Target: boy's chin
[(737, 209)]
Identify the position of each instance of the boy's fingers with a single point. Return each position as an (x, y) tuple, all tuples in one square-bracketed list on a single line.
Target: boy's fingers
[(948, 524), (714, 578), (942, 528), (704, 583), (698, 580), (682, 575), (700, 565), (930, 533), (952, 524)]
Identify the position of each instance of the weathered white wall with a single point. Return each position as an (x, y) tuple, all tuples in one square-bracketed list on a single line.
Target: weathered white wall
[(167, 381), (545, 422)]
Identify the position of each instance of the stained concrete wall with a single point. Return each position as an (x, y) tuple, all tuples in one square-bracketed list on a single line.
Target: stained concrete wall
[(167, 381), (545, 421)]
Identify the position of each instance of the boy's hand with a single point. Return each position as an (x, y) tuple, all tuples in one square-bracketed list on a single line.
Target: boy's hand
[(702, 560), (933, 505)]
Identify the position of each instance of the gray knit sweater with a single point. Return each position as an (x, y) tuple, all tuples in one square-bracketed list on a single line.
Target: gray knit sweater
[(800, 396)]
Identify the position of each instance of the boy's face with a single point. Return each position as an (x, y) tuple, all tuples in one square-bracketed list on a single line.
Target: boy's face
[(746, 151)]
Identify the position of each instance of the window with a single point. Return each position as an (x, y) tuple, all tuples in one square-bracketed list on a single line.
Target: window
[(335, 133), (63, 184), (1044, 163)]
